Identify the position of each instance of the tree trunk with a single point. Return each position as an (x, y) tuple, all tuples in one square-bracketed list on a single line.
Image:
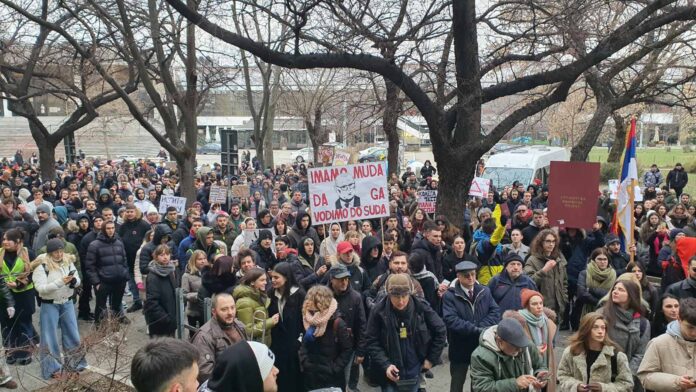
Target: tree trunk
[(47, 158), (268, 144), (619, 137), (390, 118), (455, 173), (187, 167), (582, 150)]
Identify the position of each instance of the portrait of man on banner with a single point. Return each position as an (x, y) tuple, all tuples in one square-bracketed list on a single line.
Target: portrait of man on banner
[(345, 188)]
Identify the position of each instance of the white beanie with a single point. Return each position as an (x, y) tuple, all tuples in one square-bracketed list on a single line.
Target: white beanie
[(264, 358), (152, 210)]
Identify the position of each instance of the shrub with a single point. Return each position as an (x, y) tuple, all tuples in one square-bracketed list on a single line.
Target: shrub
[(690, 166), (609, 171)]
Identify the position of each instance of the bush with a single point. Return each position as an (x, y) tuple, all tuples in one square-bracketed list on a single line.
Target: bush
[(690, 166), (687, 148), (609, 171)]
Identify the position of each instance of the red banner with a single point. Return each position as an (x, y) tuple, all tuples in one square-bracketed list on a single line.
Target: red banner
[(573, 193)]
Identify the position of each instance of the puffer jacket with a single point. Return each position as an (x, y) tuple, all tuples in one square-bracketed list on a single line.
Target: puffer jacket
[(466, 320), (190, 283), (572, 371), (432, 256), (553, 285), (106, 261), (252, 311), (491, 370), (667, 358), (49, 283)]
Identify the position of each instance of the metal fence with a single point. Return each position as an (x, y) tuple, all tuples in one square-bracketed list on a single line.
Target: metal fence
[(181, 321)]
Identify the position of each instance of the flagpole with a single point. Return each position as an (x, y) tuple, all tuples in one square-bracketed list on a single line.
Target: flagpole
[(632, 198)]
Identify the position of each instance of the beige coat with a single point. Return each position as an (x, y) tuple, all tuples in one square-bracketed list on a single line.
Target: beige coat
[(572, 371), (666, 359), (553, 369)]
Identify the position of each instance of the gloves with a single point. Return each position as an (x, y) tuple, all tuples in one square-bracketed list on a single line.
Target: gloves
[(140, 286), (503, 220), (10, 312)]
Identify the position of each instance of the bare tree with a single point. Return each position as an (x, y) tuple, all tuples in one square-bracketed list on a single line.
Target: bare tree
[(47, 67)]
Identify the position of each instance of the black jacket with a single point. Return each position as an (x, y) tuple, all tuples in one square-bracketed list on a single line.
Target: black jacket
[(161, 230), (350, 304), (432, 254), (677, 179), (132, 234), (264, 257), (373, 266), (450, 261), (324, 359), (382, 334), (284, 342), (682, 289), (106, 261), (160, 304), (296, 234)]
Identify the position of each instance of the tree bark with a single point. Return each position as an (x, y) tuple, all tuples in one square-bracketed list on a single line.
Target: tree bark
[(455, 174), (268, 125), (392, 109), (582, 150), (186, 164), (47, 159), (618, 146)]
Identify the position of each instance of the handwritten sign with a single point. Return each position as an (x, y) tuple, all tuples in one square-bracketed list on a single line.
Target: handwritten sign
[(326, 155), (240, 191), (427, 201), (218, 194), (341, 157), (479, 187), (342, 193), (172, 201)]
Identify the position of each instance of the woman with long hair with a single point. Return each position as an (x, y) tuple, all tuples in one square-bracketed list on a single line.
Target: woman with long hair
[(454, 255), (595, 281), (217, 279), (678, 217), (160, 305), (541, 331), (418, 219), (287, 298), (548, 269), (280, 227), (652, 222), (252, 306), (326, 345), (592, 361), (650, 293), (190, 283), (666, 312), (626, 322)]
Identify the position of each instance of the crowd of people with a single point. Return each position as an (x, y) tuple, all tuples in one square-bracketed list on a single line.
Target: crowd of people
[(314, 306)]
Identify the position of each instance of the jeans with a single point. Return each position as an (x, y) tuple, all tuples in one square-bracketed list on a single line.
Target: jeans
[(352, 373), (113, 292), (133, 287), (458, 373), (18, 332), (52, 317)]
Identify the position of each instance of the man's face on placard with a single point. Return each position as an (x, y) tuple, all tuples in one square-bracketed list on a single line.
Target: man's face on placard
[(345, 187)]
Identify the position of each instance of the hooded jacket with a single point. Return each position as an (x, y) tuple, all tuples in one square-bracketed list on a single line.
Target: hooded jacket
[(211, 250), (374, 266), (296, 234), (252, 311), (161, 230), (667, 358), (109, 202), (491, 370), (572, 371)]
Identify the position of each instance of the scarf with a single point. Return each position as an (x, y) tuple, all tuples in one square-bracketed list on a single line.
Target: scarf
[(539, 330), (319, 320), (600, 279), (161, 270)]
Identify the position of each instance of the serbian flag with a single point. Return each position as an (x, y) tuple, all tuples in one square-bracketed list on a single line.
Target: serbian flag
[(624, 220)]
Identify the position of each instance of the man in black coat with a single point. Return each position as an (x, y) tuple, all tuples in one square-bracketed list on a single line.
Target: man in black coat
[(430, 247), (84, 312), (107, 271), (414, 346), (687, 287), (132, 232), (350, 304), (677, 179)]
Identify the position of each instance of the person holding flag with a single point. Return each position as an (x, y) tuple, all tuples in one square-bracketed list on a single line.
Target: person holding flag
[(624, 222)]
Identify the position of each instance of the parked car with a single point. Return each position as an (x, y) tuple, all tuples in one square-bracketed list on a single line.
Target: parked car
[(209, 148), (303, 155), (374, 156)]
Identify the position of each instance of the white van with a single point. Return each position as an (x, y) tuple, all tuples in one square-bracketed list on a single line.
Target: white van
[(523, 164)]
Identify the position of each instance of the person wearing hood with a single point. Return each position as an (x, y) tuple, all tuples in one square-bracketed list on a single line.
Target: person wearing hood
[(371, 257), (467, 309), (223, 231), (105, 200), (106, 268), (160, 302), (309, 266), (61, 215), (302, 228), (252, 306), (347, 257), (670, 359), (162, 235), (329, 244), (263, 247), (75, 236), (46, 223), (205, 241), (506, 360), (244, 367), (141, 200)]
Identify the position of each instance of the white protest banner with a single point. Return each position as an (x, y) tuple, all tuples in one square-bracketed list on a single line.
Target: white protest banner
[(342, 193), (479, 187), (218, 194), (427, 201), (614, 191), (341, 157), (172, 201)]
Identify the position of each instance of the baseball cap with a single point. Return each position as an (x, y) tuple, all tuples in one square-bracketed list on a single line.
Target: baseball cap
[(339, 271), (344, 247)]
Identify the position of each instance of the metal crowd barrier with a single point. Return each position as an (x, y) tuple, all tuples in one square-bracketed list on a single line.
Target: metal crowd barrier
[(181, 321)]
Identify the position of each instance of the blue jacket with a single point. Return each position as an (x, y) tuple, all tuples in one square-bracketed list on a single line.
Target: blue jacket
[(465, 321), (506, 293), (182, 251)]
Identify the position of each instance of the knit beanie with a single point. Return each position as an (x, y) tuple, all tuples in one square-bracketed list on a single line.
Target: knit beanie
[(527, 294), (264, 358)]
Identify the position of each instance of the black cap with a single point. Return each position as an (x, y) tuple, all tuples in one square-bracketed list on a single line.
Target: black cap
[(512, 257), (54, 244), (611, 238)]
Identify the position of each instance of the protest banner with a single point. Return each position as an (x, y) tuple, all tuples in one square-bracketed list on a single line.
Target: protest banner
[(240, 191), (573, 187), (614, 191), (348, 192), (170, 165), (479, 187), (172, 201), (427, 201), (326, 155), (218, 194), (341, 157)]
